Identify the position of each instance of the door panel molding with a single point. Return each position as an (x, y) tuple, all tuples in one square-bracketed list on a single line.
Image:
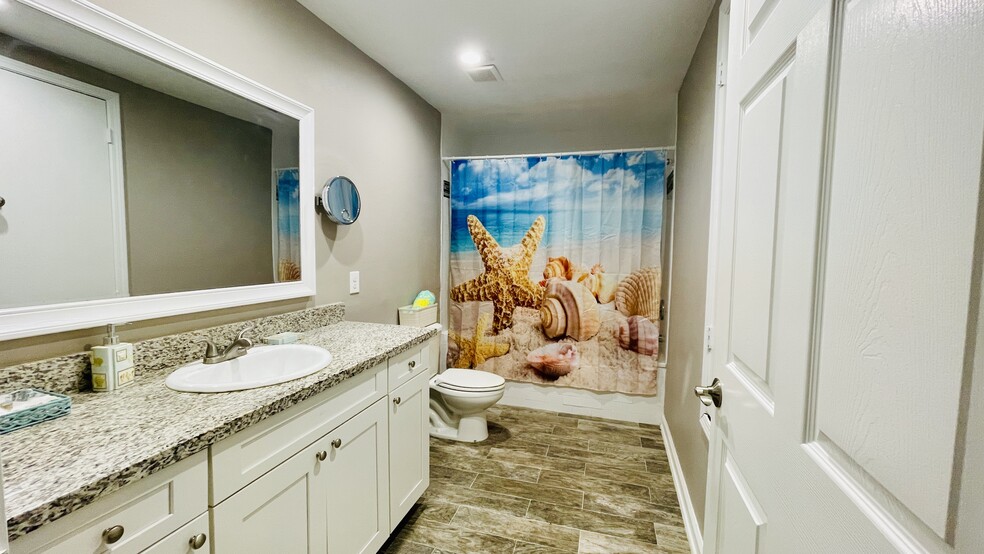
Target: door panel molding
[(843, 446), (900, 526)]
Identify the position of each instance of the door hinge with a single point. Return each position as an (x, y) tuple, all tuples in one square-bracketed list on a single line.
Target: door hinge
[(109, 136), (708, 338), (721, 75)]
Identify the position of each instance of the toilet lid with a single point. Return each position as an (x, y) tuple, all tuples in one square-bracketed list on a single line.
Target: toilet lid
[(470, 380)]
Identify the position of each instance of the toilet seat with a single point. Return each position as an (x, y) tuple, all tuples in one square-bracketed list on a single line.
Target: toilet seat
[(469, 380)]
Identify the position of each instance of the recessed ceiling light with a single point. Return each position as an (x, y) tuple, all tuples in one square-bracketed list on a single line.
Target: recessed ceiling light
[(471, 57)]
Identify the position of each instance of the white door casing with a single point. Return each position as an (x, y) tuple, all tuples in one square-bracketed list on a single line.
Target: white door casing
[(848, 279)]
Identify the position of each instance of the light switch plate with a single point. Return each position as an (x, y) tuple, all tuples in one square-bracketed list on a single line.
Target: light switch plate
[(353, 282)]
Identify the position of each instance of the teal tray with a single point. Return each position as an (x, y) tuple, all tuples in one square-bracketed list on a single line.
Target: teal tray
[(60, 406)]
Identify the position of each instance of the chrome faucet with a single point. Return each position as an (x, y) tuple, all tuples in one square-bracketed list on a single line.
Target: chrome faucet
[(235, 349)]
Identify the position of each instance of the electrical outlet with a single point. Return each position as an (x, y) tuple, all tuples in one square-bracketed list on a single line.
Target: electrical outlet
[(353, 282)]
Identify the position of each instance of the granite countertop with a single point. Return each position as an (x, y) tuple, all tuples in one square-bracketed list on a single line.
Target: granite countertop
[(113, 439)]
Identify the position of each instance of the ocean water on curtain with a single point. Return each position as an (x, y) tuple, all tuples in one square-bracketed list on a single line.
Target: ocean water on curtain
[(556, 268)]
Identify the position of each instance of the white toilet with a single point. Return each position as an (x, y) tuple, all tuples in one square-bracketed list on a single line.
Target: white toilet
[(459, 398)]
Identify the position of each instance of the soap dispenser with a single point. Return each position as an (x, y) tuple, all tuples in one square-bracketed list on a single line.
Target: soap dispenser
[(112, 363)]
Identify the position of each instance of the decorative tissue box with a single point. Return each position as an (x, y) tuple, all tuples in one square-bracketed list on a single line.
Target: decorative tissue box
[(28, 407), (418, 317)]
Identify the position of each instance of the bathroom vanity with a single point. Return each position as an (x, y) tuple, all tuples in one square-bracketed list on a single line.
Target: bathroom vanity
[(328, 463)]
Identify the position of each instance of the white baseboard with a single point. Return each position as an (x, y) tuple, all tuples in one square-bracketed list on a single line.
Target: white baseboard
[(608, 405), (683, 494)]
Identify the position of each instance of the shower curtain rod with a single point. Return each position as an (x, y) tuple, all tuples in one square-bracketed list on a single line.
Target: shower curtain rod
[(582, 153)]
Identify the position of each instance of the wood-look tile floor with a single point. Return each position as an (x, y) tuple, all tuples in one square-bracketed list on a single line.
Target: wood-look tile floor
[(547, 483)]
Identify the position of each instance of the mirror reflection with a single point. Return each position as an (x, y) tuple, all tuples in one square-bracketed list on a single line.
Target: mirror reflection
[(126, 177), (341, 201)]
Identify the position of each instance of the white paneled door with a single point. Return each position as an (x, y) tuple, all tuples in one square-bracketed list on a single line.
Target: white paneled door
[(62, 227), (847, 297)]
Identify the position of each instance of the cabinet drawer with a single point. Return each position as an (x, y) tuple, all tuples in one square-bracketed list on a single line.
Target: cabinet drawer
[(404, 367), (147, 511), (247, 455), (182, 541)]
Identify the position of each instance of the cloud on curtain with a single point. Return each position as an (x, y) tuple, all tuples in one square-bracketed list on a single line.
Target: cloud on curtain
[(540, 249)]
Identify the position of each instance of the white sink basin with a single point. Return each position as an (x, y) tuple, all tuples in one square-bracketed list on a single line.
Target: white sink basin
[(262, 366)]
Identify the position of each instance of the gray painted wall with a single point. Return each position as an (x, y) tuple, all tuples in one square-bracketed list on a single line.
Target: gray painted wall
[(197, 196), (689, 266), (368, 126), (561, 131)]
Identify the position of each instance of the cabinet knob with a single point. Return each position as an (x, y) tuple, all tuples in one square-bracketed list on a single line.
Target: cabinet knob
[(412, 364), (321, 456), (197, 541), (397, 400), (113, 534), (337, 443)]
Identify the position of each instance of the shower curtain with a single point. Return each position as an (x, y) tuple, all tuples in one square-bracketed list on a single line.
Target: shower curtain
[(288, 225), (555, 268)]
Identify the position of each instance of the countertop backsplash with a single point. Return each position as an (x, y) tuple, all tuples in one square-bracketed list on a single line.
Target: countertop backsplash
[(72, 373)]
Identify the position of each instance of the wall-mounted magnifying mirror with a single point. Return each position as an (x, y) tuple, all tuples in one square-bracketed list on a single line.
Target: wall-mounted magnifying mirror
[(340, 200)]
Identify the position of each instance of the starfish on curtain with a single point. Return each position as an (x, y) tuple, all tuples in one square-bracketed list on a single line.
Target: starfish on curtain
[(476, 349), (506, 281)]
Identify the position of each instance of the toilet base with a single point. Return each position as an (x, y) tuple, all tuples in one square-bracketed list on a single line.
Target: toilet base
[(474, 428)]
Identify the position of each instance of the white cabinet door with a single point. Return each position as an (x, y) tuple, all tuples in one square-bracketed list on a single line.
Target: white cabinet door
[(409, 453), (355, 482), (283, 511)]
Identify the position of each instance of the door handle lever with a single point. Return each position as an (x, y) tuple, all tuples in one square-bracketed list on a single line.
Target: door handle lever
[(710, 395)]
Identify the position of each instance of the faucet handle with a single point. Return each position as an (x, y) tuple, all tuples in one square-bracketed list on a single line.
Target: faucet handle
[(242, 334), (211, 350)]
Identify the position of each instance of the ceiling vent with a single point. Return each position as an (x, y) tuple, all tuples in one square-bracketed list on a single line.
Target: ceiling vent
[(484, 73)]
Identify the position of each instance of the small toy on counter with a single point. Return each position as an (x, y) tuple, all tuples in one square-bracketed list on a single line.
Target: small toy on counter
[(424, 299)]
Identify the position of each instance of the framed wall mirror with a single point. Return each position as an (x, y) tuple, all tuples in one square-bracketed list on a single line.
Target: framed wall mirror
[(142, 180)]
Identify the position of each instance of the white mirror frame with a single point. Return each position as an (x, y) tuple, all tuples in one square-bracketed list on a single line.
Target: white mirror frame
[(40, 320)]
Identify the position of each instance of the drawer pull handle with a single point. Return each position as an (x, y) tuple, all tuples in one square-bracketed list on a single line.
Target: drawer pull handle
[(113, 534), (412, 364), (337, 443), (321, 456), (397, 400), (197, 541)]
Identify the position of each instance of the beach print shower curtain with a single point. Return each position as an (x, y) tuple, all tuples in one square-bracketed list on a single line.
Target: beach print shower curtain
[(555, 268), (288, 225)]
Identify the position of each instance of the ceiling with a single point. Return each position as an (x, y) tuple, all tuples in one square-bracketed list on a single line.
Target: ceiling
[(614, 60)]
